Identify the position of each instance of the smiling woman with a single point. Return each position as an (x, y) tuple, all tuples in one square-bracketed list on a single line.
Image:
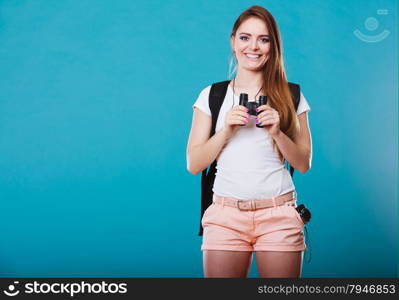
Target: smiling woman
[(252, 50), (253, 196)]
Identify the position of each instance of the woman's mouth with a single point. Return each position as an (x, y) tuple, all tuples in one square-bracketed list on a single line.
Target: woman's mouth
[(253, 57)]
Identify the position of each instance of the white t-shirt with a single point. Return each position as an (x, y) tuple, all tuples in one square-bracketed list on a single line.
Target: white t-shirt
[(248, 167)]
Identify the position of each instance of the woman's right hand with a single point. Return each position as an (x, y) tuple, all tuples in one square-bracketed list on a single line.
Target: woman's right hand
[(236, 116)]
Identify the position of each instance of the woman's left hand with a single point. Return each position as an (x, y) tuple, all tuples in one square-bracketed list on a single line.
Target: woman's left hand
[(269, 118)]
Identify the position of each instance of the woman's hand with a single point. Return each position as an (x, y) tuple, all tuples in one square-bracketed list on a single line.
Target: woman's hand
[(236, 116), (269, 118)]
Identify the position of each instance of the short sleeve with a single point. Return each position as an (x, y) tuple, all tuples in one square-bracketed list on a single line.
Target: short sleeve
[(303, 105), (203, 101)]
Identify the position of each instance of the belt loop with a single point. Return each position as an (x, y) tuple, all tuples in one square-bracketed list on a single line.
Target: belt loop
[(222, 202), (274, 201)]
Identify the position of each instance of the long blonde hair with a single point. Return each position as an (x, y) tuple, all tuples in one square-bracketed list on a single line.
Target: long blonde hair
[(275, 84)]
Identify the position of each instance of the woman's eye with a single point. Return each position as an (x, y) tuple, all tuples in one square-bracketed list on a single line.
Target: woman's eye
[(244, 38), (265, 40)]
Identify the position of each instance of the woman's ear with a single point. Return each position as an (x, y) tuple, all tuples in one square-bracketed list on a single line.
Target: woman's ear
[(232, 43)]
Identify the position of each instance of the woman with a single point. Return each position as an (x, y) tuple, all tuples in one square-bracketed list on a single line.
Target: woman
[(250, 160)]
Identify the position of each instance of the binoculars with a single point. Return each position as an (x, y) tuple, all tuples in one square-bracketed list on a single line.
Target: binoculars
[(304, 213), (253, 105)]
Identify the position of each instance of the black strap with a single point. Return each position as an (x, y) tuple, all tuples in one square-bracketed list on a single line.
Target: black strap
[(296, 93), (216, 98)]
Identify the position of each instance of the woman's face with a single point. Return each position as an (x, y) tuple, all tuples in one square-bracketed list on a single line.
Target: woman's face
[(251, 44)]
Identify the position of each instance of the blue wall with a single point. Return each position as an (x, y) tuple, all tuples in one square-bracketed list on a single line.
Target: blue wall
[(95, 112)]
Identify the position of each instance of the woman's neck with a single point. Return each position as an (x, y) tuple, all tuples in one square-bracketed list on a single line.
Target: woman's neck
[(248, 79)]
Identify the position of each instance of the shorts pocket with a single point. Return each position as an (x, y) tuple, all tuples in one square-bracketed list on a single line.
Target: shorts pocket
[(297, 215), (209, 213), (209, 208)]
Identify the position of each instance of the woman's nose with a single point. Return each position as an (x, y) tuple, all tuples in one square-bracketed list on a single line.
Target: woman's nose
[(254, 45)]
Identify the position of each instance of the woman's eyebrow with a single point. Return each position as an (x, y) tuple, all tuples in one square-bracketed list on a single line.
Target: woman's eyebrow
[(250, 34)]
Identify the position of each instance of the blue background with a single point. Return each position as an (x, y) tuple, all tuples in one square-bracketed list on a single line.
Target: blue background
[(95, 112)]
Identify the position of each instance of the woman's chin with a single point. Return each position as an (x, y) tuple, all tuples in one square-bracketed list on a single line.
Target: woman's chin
[(250, 68), (253, 67)]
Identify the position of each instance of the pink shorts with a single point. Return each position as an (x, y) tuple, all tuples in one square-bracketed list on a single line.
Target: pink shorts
[(278, 228)]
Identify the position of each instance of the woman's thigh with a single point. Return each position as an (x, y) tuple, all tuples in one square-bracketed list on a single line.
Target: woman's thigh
[(278, 264), (226, 264)]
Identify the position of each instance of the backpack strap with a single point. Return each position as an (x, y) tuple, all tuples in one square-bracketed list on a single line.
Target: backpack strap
[(216, 97), (296, 97)]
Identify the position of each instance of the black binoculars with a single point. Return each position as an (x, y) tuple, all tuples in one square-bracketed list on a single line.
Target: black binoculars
[(253, 105), (304, 213)]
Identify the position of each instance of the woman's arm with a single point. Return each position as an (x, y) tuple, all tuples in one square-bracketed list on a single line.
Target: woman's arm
[(202, 150), (298, 152)]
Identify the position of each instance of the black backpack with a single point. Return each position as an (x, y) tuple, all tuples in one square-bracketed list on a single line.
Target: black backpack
[(216, 97)]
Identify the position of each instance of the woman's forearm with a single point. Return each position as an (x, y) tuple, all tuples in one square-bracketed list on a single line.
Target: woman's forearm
[(199, 157), (298, 156)]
